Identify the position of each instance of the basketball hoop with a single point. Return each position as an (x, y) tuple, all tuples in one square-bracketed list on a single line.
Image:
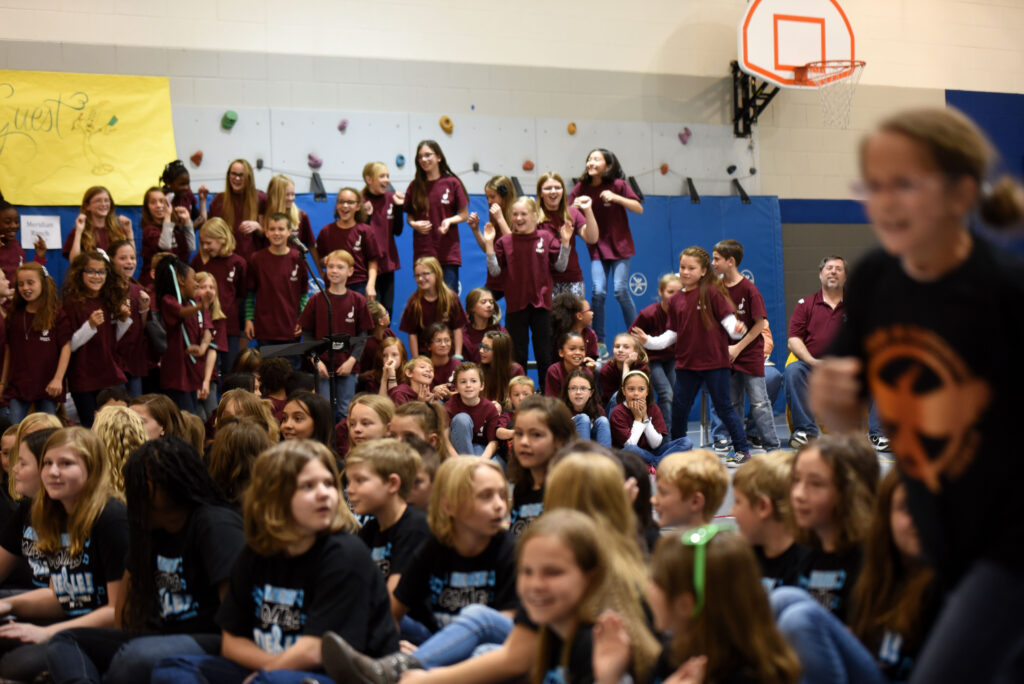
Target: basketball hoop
[(836, 82)]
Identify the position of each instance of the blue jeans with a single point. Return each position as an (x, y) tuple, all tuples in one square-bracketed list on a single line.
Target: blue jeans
[(461, 434), (668, 446), (451, 277), (134, 384), (600, 430), (688, 384), (475, 628), (20, 408), (741, 387), (663, 378), (230, 354), (599, 272), (828, 652), (795, 378), (344, 390), (211, 669), (358, 287), (111, 656), (186, 401)]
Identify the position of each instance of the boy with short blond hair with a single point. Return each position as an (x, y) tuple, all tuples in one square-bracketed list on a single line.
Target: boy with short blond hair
[(380, 477), (691, 485), (762, 511)]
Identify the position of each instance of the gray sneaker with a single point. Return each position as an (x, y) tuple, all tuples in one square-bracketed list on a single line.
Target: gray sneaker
[(880, 442), (799, 439), (343, 663)]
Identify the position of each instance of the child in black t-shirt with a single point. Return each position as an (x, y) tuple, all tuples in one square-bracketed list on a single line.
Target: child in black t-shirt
[(762, 511), (183, 544), (82, 532), (467, 566), (22, 565), (301, 575), (834, 479), (932, 329), (543, 425), (380, 476)]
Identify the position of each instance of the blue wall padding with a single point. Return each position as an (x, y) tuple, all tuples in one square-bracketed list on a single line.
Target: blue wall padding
[(822, 211), (667, 225)]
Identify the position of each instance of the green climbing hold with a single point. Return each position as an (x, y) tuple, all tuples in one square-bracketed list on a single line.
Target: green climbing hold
[(228, 121)]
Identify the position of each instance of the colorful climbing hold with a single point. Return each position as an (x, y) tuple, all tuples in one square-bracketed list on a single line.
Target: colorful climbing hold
[(446, 124), (196, 158), (314, 161), (528, 165), (228, 121), (342, 125), (476, 167), (684, 137), (400, 160), (731, 168), (664, 169), (572, 128)]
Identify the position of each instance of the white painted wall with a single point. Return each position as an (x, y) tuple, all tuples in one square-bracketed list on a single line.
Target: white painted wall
[(657, 61)]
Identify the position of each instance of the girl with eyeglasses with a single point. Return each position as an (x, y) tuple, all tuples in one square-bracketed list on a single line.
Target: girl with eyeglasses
[(484, 316)]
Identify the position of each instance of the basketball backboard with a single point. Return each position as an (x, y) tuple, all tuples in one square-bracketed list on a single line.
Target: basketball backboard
[(777, 36)]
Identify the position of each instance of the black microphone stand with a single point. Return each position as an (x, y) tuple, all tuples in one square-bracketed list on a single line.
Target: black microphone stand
[(297, 244)]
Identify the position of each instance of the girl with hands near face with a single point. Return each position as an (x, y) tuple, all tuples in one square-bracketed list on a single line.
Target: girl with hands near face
[(500, 194), (532, 256), (637, 424), (97, 225), (555, 211)]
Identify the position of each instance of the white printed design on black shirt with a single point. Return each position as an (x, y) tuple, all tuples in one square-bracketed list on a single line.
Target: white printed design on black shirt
[(75, 588), (524, 515), (279, 617), (36, 559), (458, 590), (825, 586), (172, 588), (382, 557)]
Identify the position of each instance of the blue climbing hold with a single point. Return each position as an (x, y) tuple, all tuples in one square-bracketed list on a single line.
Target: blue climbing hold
[(400, 161)]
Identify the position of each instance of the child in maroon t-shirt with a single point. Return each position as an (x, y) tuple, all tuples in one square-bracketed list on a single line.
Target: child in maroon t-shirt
[(11, 253), (217, 256), (385, 208), (436, 203), (654, 320), (277, 277), (473, 420), (573, 358), (531, 256), (747, 354), (554, 212), (604, 183), (349, 316), (189, 333), (433, 301), (349, 232), (484, 314), (439, 345)]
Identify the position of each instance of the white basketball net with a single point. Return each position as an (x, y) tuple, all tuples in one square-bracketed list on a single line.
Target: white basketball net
[(836, 82)]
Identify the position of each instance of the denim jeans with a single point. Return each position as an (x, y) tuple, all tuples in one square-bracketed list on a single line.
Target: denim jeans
[(599, 272), (688, 384), (451, 277), (85, 405), (828, 651), (358, 287), (977, 630), (213, 669), (599, 430), (579, 289), (795, 377), (344, 390), (461, 434), (668, 446), (186, 401), (741, 387), (536, 322), (112, 656), (663, 378), (19, 408), (227, 359), (134, 384), (476, 626)]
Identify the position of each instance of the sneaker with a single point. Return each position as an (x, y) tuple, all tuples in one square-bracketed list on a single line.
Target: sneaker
[(602, 352), (342, 663), (737, 458), (721, 446), (755, 442), (880, 442), (798, 439)]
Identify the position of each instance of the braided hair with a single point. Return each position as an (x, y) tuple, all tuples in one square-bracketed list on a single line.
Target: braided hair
[(172, 466)]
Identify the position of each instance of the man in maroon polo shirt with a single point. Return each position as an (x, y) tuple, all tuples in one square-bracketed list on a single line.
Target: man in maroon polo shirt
[(814, 323)]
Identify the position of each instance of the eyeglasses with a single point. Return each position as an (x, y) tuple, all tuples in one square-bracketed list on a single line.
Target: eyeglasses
[(484, 347), (236, 175), (903, 188), (699, 538), (585, 311), (347, 203), (423, 276), (580, 389), (93, 272)]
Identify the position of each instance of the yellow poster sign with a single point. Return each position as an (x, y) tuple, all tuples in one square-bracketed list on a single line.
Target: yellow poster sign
[(62, 133)]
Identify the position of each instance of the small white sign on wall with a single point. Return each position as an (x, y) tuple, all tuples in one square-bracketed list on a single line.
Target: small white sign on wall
[(46, 226)]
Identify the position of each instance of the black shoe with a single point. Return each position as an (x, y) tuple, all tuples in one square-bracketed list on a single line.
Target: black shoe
[(342, 663), (755, 442), (721, 446)]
